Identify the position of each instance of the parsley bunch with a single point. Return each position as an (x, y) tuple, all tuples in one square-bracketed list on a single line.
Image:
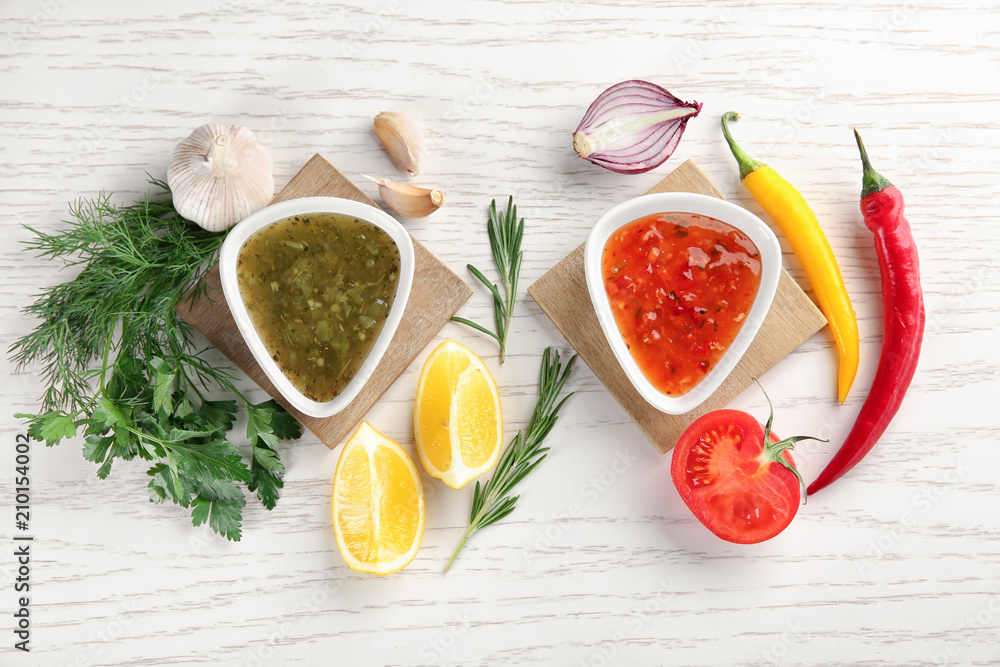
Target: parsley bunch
[(146, 398)]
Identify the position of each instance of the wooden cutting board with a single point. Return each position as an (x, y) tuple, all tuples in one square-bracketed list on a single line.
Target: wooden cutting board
[(435, 296), (563, 296)]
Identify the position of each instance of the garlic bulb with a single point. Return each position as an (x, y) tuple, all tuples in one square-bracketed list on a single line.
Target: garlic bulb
[(220, 175), (408, 200), (401, 139)]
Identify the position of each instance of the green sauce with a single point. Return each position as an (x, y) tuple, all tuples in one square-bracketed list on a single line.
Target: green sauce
[(318, 288)]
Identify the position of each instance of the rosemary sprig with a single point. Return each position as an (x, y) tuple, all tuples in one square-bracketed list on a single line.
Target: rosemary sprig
[(505, 240), (492, 502)]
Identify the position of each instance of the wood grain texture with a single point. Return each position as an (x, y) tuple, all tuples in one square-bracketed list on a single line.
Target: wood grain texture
[(562, 294), (434, 297), (601, 564)]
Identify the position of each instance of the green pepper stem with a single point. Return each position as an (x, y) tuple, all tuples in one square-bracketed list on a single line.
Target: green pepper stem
[(871, 180), (773, 450), (747, 164)]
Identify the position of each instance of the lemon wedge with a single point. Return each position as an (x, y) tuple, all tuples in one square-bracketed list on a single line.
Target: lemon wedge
[(378, 503), (457, 418)]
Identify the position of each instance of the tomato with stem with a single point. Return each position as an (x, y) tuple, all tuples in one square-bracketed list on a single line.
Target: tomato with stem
[(737, 477)]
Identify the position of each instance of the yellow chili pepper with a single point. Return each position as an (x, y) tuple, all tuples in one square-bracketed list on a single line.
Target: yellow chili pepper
[(798, 223)]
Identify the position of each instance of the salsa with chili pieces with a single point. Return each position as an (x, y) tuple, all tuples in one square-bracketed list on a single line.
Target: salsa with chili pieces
[(680, 286)]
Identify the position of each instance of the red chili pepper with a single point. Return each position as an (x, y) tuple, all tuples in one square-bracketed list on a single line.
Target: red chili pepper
[(902, 320)]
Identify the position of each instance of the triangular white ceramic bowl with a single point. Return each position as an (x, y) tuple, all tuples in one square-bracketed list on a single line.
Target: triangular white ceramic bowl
[(275, 212), (682, 202)]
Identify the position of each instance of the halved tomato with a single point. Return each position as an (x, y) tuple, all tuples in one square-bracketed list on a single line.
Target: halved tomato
[(743, 491)]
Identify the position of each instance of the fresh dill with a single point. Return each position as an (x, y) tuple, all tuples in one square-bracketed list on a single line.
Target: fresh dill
[(120, 365), (492, 501), (505, 234)]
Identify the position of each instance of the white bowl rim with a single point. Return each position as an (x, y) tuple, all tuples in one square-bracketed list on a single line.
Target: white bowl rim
[(230, 287), (682, 202)]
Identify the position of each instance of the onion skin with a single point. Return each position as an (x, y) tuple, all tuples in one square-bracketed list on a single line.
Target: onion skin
[(633, 127)]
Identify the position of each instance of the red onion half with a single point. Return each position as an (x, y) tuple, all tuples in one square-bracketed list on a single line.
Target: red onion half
[(632, 127)]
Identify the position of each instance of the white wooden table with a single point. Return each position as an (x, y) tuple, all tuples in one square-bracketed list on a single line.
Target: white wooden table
[(898, 563)]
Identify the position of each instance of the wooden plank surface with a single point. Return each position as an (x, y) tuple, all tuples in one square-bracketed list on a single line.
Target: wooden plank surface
[(601, 564), (434, 297), (562, 294)]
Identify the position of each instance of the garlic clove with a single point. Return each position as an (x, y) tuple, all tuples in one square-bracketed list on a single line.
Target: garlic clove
[(408, 200), (219, 175), (401, 139)]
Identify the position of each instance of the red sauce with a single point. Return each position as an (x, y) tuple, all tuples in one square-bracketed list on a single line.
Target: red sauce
[(680, 286)]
